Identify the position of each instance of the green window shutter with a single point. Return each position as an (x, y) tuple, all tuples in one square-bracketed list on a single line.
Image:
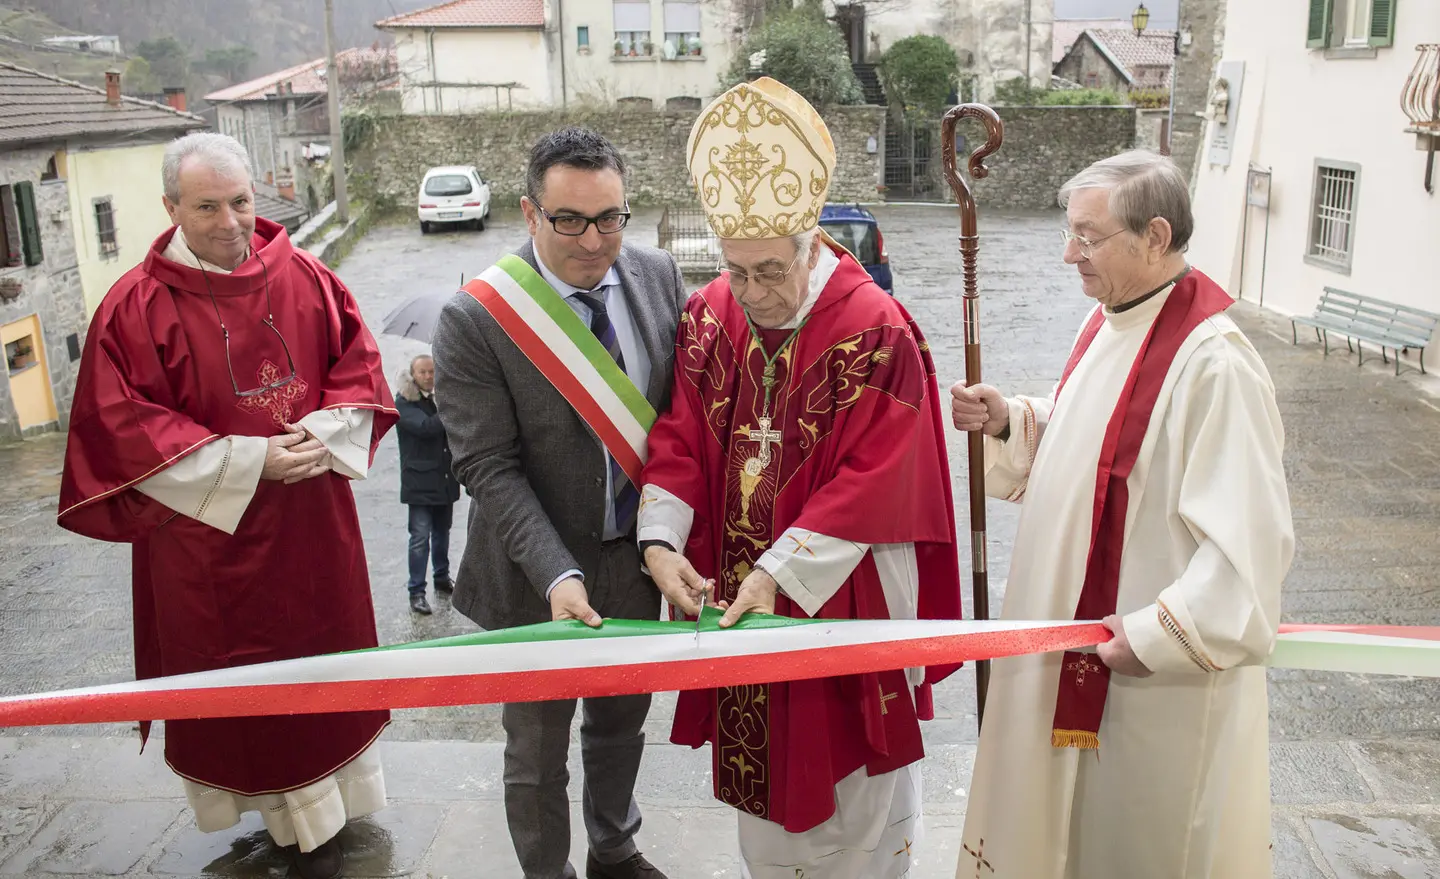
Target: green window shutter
[(1382, 23), (29, 222), (1318, 34)]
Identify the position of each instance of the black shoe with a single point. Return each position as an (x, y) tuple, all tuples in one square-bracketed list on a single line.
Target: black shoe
[(444, 586), (633, 867), (325, 862), (419, 604)]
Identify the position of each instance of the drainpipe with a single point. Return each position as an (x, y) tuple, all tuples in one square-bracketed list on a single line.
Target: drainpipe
[(434, 72), (560, 27)]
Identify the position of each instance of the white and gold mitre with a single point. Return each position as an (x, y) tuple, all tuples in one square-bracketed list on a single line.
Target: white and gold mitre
[(761, 159)]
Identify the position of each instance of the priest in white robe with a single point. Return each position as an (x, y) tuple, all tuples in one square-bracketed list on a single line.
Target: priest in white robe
[(1153, 498)]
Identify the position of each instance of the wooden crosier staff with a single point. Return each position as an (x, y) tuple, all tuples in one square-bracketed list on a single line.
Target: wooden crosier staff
[(969, 248)]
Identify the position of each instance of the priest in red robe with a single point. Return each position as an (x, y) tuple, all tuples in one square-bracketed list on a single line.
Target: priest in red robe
[(801, 470), (229, 392)]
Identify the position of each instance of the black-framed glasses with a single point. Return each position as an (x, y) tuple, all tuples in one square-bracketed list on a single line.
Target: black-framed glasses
[(268, 321), (766, 278), (575, 226)]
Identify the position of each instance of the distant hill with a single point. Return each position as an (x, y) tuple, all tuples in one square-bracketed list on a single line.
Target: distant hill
[(280, 32)]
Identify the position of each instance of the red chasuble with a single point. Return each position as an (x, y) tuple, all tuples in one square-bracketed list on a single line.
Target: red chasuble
[(292, 580), (861, 458)]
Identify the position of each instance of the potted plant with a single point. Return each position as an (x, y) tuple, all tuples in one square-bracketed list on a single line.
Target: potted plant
[(695, 47), (649, 47), (684, 47), (619, 49)]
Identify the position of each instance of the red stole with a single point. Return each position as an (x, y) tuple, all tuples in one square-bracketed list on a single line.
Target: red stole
[(1084, 680)]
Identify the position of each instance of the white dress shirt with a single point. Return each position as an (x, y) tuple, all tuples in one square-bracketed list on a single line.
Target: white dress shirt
[(637, 367)]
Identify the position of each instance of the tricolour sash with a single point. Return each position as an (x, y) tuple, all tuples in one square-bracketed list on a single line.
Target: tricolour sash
[(553, 337)]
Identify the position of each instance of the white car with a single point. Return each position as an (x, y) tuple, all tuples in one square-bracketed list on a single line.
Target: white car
[(453, 194)]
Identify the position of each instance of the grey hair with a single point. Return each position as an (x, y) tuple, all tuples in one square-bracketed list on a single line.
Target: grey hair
[(1143, 185), (218, 150), (405, 382), (803, 241)]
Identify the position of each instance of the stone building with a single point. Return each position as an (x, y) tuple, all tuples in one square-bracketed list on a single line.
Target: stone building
[(1202, 38), (79, 194), (283, 118), (1120, 60), (997, 40)]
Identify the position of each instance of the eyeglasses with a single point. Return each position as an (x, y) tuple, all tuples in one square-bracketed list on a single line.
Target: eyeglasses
[(767, 278), (1087, 245), (269, 321), (574, 226)]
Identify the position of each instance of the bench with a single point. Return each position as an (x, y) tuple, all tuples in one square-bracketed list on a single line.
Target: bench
[(1387, 325)]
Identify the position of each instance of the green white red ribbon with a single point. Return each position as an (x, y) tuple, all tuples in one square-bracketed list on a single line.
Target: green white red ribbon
[(569, 660)]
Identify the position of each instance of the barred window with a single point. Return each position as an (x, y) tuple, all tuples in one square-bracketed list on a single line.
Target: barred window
[(1332, 227), (105, 228)]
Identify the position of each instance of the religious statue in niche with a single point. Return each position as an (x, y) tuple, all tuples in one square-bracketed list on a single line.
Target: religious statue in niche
[(1220, 101)]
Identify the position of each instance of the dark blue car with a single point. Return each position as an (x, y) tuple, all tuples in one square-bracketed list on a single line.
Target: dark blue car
[(856, 230)]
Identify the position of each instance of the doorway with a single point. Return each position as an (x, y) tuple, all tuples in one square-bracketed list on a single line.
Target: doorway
[(29, 377), (850, 18)]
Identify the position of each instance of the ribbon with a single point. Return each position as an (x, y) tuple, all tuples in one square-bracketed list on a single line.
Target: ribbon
[(566, 660)]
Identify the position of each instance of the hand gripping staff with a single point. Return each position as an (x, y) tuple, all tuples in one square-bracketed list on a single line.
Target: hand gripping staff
[(969, 248)]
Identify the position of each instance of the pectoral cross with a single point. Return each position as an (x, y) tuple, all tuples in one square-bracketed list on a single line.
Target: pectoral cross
[(765, 436)]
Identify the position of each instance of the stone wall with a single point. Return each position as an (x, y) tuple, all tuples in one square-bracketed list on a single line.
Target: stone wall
[(399, 149), (1194, 69), (1043, 147), (50, 291)]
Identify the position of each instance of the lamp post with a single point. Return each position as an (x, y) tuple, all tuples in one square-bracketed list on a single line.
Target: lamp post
[(1139, 19)]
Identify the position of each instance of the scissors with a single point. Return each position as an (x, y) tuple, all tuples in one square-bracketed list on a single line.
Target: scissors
[(700, 614)]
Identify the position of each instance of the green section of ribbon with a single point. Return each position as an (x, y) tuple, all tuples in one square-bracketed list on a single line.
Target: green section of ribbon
[(574, 630), (1418, 659)]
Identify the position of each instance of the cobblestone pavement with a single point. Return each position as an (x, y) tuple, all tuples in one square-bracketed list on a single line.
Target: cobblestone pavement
[(1355, 759)]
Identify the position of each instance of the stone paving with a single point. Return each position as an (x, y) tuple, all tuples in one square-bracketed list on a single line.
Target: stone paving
[(1355, 759)]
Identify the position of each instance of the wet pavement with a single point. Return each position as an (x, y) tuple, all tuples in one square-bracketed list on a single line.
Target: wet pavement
[(1355, 759)]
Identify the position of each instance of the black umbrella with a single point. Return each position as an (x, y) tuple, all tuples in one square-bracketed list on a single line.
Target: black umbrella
[(416, 318)]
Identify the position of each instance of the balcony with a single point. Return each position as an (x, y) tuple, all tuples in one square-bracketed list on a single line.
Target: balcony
[(1420, 99)]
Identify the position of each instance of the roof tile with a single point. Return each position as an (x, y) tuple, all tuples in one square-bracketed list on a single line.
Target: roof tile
[(37, 107), (473, 13)]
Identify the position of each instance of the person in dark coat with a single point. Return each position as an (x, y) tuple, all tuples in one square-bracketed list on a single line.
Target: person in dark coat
[(427, 485)]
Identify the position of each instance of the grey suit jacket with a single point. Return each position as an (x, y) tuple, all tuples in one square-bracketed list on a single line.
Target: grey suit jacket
[(530, 463)]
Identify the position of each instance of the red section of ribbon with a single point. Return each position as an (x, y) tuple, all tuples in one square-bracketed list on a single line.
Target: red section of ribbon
[(538, 685), (1417, 633)]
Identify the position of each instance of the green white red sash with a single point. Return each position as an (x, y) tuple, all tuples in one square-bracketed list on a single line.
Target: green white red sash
[(553, 337)]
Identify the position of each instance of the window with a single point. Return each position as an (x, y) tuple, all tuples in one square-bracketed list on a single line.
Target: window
[(861, 239), (52, 168), (19, 226), (582, 37), (20, 355), (448, 184), (682, 28), (1332, 225), (1350, 24), (632, 27), (105, 228)]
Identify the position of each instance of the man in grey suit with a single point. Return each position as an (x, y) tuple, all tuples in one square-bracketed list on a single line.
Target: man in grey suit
[(552, 525)]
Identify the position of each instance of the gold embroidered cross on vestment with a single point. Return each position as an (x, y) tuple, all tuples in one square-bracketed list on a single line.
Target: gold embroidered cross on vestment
[(886, 697), (1081, 666), (979, 856)]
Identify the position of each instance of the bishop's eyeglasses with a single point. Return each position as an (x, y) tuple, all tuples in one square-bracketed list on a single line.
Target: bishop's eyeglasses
[(765, 278), (269, 321), (1087, 245)]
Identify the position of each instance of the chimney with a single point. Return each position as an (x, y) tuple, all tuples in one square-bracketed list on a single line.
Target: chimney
[(112, 87), (175, 97), (285, 186)]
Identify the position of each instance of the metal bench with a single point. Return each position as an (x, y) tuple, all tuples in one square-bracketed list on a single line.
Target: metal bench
[(1387, 325)]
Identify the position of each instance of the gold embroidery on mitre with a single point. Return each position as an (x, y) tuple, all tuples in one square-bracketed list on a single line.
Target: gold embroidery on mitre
[(761, 160)]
